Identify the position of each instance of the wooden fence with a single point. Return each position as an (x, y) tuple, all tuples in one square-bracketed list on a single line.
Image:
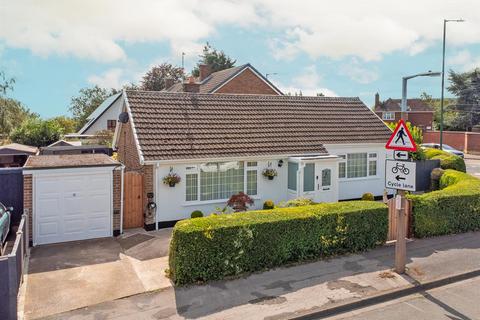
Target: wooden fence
[(12, 267), (392, 220)]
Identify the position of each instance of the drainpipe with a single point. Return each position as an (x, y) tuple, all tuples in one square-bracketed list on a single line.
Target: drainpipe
[(121, 199), (155, 194)]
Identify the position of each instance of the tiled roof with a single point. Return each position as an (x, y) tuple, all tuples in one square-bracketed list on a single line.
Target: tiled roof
[(17, 149), (216, 79), (412, 105), (188, 126)]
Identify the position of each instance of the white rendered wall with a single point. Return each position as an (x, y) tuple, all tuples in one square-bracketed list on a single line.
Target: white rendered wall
[(110, 114)]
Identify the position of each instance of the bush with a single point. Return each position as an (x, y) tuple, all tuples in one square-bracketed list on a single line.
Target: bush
[(196, 214), (297, 202), (368, 196), (228, 245), (453, 209), (435, 176), (268, 204), (447, 160)]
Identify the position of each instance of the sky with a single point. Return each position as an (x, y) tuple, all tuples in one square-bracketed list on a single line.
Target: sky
[(53, 48)]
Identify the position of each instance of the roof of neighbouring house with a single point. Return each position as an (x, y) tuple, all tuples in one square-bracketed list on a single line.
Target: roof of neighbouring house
[(412, 105), (214, 81), (191, 126), (17, 149), (101, 109), (63, 143), (69, 161)]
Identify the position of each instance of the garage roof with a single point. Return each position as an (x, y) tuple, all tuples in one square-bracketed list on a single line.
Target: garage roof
[(70, 161)]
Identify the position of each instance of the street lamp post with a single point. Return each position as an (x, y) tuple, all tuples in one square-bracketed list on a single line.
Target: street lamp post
[(403, 106), (443, 76)]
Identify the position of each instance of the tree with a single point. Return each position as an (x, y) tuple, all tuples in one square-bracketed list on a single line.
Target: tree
[(154, 79), (217, 60), (67, 124), (37, 132), (450, 117), (466, 87), (87, 101)]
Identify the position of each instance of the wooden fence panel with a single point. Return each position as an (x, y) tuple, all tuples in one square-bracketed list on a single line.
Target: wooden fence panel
[(392, 219), (133, 200)]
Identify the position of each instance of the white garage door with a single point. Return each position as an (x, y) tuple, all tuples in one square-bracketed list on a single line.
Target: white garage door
[(72, 206)]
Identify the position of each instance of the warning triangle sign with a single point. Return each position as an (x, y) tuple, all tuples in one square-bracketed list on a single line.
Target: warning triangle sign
[(401, 139)]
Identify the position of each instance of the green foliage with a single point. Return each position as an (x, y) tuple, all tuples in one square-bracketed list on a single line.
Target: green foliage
[(37, 132), (435, 176), (12, 114), (86, 102), (268, 204), (447, 160), (216, 247), (453, 209), (368, 196), (417, 135), (297, 202), (451, 119), (196, 214), (217, 60), (154, 79), (67, 124)]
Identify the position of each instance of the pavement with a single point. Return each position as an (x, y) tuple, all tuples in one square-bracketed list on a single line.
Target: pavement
[(300, 290), (473, 164), (68, 276), (455, 301)]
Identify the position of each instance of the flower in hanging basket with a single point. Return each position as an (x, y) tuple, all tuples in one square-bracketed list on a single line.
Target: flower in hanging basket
[(269, 173), (171, 179)]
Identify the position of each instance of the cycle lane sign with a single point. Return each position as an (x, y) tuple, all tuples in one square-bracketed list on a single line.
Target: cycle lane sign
[(400, 175)]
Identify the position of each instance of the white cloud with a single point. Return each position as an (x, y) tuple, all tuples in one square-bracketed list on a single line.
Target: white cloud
[(366, 29), (465, 60), (112, 78), (308, 83), (356, 72)]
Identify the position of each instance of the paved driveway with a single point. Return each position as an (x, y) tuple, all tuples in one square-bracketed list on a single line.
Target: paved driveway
[(67, 276)]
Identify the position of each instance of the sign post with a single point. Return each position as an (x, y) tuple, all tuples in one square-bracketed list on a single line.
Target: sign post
[(400, 175)]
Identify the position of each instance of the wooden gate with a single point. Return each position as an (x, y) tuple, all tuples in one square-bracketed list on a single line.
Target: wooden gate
[(392, 219), (133, 200)]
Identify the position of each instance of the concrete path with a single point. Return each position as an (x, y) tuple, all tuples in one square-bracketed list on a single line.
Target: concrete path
[(455, 301), (287, 292), (68, 276)]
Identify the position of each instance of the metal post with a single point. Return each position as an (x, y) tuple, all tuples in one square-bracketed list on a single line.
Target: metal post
[(400, 244), (443, 84)]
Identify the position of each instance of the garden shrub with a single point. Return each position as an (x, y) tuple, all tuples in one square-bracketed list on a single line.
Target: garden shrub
[(368, 196), (455, 208), (216, 247), (447, 160), (297, 202), (435, 176), (196, 214), (268, 204)]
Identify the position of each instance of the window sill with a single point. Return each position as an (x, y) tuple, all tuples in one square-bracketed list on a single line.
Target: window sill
[(358, 179), (207, 202)]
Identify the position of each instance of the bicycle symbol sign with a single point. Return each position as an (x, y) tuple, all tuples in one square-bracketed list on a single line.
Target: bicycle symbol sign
[(400, 175)]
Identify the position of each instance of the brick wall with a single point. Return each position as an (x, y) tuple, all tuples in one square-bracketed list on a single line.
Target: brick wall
[(247, 82), (128, 155), (424, 120), (468, 142), (28, 201)]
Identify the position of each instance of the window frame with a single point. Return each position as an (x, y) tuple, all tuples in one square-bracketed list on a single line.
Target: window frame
[(371, 157), (195, 169), (388, 115), (109, 127)]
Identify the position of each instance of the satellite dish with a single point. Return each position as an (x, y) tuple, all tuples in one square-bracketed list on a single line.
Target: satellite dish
[(123, 117)]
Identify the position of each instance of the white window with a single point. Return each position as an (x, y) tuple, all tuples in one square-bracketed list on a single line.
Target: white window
[(388, 115), (292, 176), (220, 180), (357, 165), (326, 177), (309, 177)]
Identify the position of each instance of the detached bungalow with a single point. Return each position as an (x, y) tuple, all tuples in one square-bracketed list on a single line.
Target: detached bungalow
[(324, 148)]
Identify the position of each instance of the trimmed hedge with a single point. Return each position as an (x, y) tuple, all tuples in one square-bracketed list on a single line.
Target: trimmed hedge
[(220, 246), (453, 209), (447, 160)]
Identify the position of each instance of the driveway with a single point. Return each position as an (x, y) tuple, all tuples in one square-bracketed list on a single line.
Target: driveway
[(68, 276)]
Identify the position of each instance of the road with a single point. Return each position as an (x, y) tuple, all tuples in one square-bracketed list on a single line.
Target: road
[(473, 165), (456, 301)]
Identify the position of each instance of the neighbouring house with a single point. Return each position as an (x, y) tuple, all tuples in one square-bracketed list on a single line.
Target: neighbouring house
[(324, 148), (419, 113), (244, 79), (64, 143), (72, 197), (15, 154), (76, 149)]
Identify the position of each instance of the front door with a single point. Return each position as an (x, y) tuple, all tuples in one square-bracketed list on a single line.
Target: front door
[(318, 182)]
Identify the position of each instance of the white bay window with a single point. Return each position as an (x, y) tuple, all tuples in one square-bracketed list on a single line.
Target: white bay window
[(357, 165), (220, 180)]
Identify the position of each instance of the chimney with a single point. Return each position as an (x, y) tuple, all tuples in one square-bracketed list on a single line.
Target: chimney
[(169, 82), (377, 99), (205, 71), (191, 85)]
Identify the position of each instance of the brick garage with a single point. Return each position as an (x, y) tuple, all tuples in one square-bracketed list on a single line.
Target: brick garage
[(72, 197)]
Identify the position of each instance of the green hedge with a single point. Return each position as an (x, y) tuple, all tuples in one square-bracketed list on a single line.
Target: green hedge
[(447, 160), (219, 246), (453, 209)]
